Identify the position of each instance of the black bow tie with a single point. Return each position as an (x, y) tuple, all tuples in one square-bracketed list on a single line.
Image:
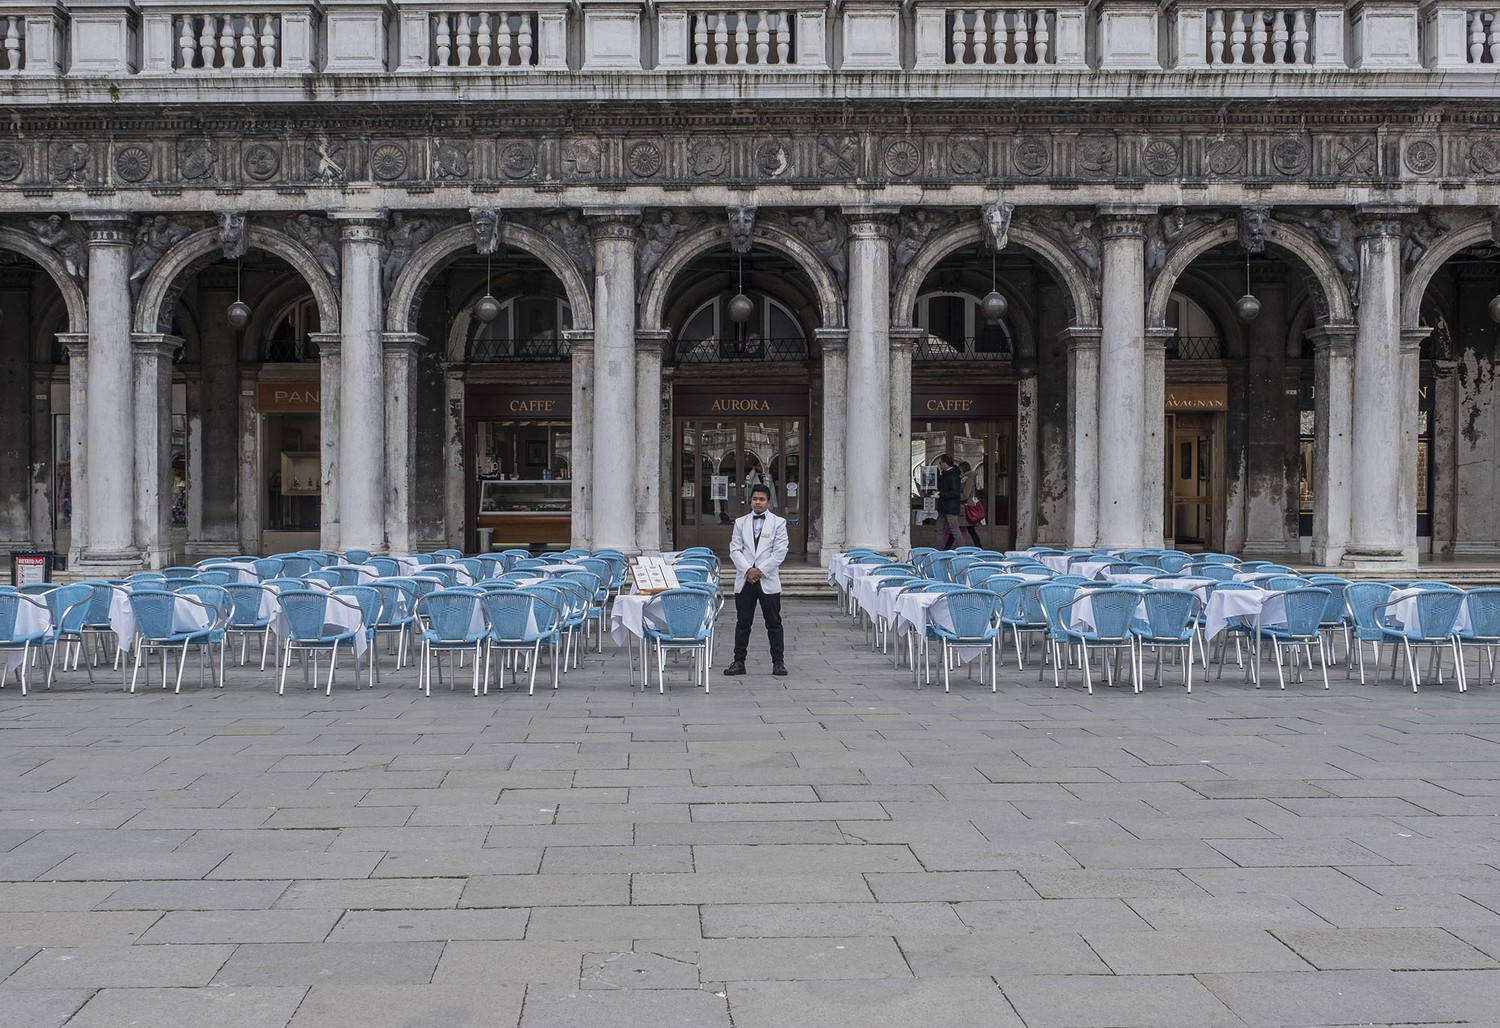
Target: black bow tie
[(758, 517)]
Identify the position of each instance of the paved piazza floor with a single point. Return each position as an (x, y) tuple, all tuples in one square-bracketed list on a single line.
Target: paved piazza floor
[(831, 849)]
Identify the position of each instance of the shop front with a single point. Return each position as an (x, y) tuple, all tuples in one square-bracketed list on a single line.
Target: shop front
[(1194, 465), (519, 439), (976, 425), (292, 463)]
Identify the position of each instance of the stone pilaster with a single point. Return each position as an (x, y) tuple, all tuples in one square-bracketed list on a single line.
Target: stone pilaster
[(615, 398), (898, 488), (648, 445), (1333, 448), (330, 364), (1154, 418), (868, 411), (1083, 435), (362, 399), (455, 474), (250, 465), (78, 384), (581, 344), (1122, 381), (834, 344), (153, 447), (400, 359), (1378, 526), (1028, 461), (108, 403), (1444, 455)]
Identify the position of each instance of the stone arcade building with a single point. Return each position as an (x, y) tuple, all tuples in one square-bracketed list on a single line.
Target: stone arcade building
[(405, 274)]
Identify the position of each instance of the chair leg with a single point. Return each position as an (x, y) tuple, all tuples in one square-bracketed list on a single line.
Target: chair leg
[(333, 663)]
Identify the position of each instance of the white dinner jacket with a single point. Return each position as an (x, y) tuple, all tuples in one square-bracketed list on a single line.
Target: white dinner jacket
[(767, 556)]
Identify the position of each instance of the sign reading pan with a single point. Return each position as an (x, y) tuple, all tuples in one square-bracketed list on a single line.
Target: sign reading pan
[(304, 397)]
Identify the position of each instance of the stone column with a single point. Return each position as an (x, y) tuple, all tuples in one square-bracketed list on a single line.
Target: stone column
[(153, 442), (648, 414), (1123, 480), (78, 451), (1028, 460), (1153, 467), (362, 399), (614, 477), (1083, 436), (1377, 524), (250, 471), (108, 406), (1333, 449), (400, 359), (867, 423), (898, 489), (581, 344), (834, 344), (1444, 455), (455, 474), (330, 371)]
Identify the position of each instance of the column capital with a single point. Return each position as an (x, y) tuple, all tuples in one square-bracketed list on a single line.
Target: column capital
[(328, 343), (651, 341), (579, 340), (832, 340), (107, 228), (155, 344), (904, 341), (360, 226), (1382, 219), (75, 343), (870, 221), (402, 343), (1126, 215), (614, 222), (1080, 338), (1333, 340), (1411, 340), (1156, 339)]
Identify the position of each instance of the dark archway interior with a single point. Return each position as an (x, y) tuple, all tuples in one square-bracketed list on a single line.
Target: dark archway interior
[(761, 274)]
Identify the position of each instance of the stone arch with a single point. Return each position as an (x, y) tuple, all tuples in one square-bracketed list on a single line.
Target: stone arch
[(1419, 277), (154, 309), (1288, 238), (72, 293), (1084, 302), (414, 279), (659, 282)]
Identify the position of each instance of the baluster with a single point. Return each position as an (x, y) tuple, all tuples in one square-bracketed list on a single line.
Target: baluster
[(1279, 37), (226, 42), (741, 37), (1299, 37), (981, 37), (1237, 39), (247, 41), (482, 39), (524, 41), (12, 43), (1041, 38), (700, 38), (721, 38), (763, 38), (958, 37), (185, 42), (1216, 38), (465, 40), (444, 41), (1494, 34), (504, 38), (1023, 38), (1257, 38), (206, 40), (783, 37)]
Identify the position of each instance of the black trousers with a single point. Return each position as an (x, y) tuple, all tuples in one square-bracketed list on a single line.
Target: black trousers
[(744, 614)]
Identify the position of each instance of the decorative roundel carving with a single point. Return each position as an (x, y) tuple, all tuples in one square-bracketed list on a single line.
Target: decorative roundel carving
[(771, 158), (965, 159), (262, 161), (1225, 158), (1096, 155), (12, 161), (1290, 156), (1421, 157), (1032, 157), (1484, 155), (708, 158), (133, 164), (387, 161), (645, 160), (902, 157), (517, 159), (1162, 157)]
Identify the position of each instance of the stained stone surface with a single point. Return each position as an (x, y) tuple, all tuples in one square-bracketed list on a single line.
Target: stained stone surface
[(832, 848)]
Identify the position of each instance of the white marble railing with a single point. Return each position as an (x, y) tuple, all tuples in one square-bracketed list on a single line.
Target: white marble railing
[(1484, 35), (13, 34), (1006, 35), (227, 42), (484, 39), (741, 38), (1259, 36)]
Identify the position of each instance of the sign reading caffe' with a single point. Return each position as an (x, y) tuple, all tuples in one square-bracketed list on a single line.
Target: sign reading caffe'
[(289, 397), (978, 402), (520, 403)]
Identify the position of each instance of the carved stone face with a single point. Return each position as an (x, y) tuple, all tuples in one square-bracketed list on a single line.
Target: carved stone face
[(741, 220)]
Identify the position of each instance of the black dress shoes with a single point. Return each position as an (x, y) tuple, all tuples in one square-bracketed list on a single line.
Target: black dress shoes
[(737, 668), (779, 670)]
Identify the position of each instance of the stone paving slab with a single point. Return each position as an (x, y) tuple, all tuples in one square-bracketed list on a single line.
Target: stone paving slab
[(834, 848)]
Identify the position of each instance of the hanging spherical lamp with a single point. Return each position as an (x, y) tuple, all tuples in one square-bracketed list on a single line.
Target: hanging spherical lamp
[(993, 307), (740, 308), (238, 314), (486, 309), (1495, 308), (1247, 308)]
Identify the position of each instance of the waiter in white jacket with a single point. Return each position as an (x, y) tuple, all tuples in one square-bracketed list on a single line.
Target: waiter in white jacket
[(758, 547)]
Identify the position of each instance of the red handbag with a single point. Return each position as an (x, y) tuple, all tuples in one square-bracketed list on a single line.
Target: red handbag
[(974, 511)]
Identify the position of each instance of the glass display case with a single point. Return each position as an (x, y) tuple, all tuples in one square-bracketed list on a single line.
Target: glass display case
[(301, 474), (535, 496)]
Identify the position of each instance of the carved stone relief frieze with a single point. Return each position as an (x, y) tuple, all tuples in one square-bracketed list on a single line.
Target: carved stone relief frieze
[(571, 233), (70, 162), (966, 157), (582, 157), (196, 157), (824, 230), (1032, 157), (708, 158), (645, 158), (1355, 157), (1484, 155), (517, 158), (659, 231), (388, 162), (1422, 230), (319, 238), (1334, 231), (154, 236), (902, 157), (12, 161), (403, 235), (773, 158), (838, 156), (67, 240), (132, 164), (451, 159), (261, 161), (1094, 156), (1421, 157), (1290, 157), (913, 231), (1162, 157), (325, 159)]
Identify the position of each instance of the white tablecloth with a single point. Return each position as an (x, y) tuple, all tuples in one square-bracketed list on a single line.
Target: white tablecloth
[(1403, 611), (242, 571), (1055, 562), (1093, 569), (1196, 585), (365, 572), (187, 616), (1123, 578), (1244, 603), (838, 563), (631, 614), (31, 618)]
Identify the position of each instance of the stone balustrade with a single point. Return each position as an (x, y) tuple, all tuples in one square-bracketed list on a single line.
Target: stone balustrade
[(426, 36)]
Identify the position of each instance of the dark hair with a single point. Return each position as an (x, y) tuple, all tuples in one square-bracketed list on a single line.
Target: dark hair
[(945, 458), (764, 490), (963, 466)]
